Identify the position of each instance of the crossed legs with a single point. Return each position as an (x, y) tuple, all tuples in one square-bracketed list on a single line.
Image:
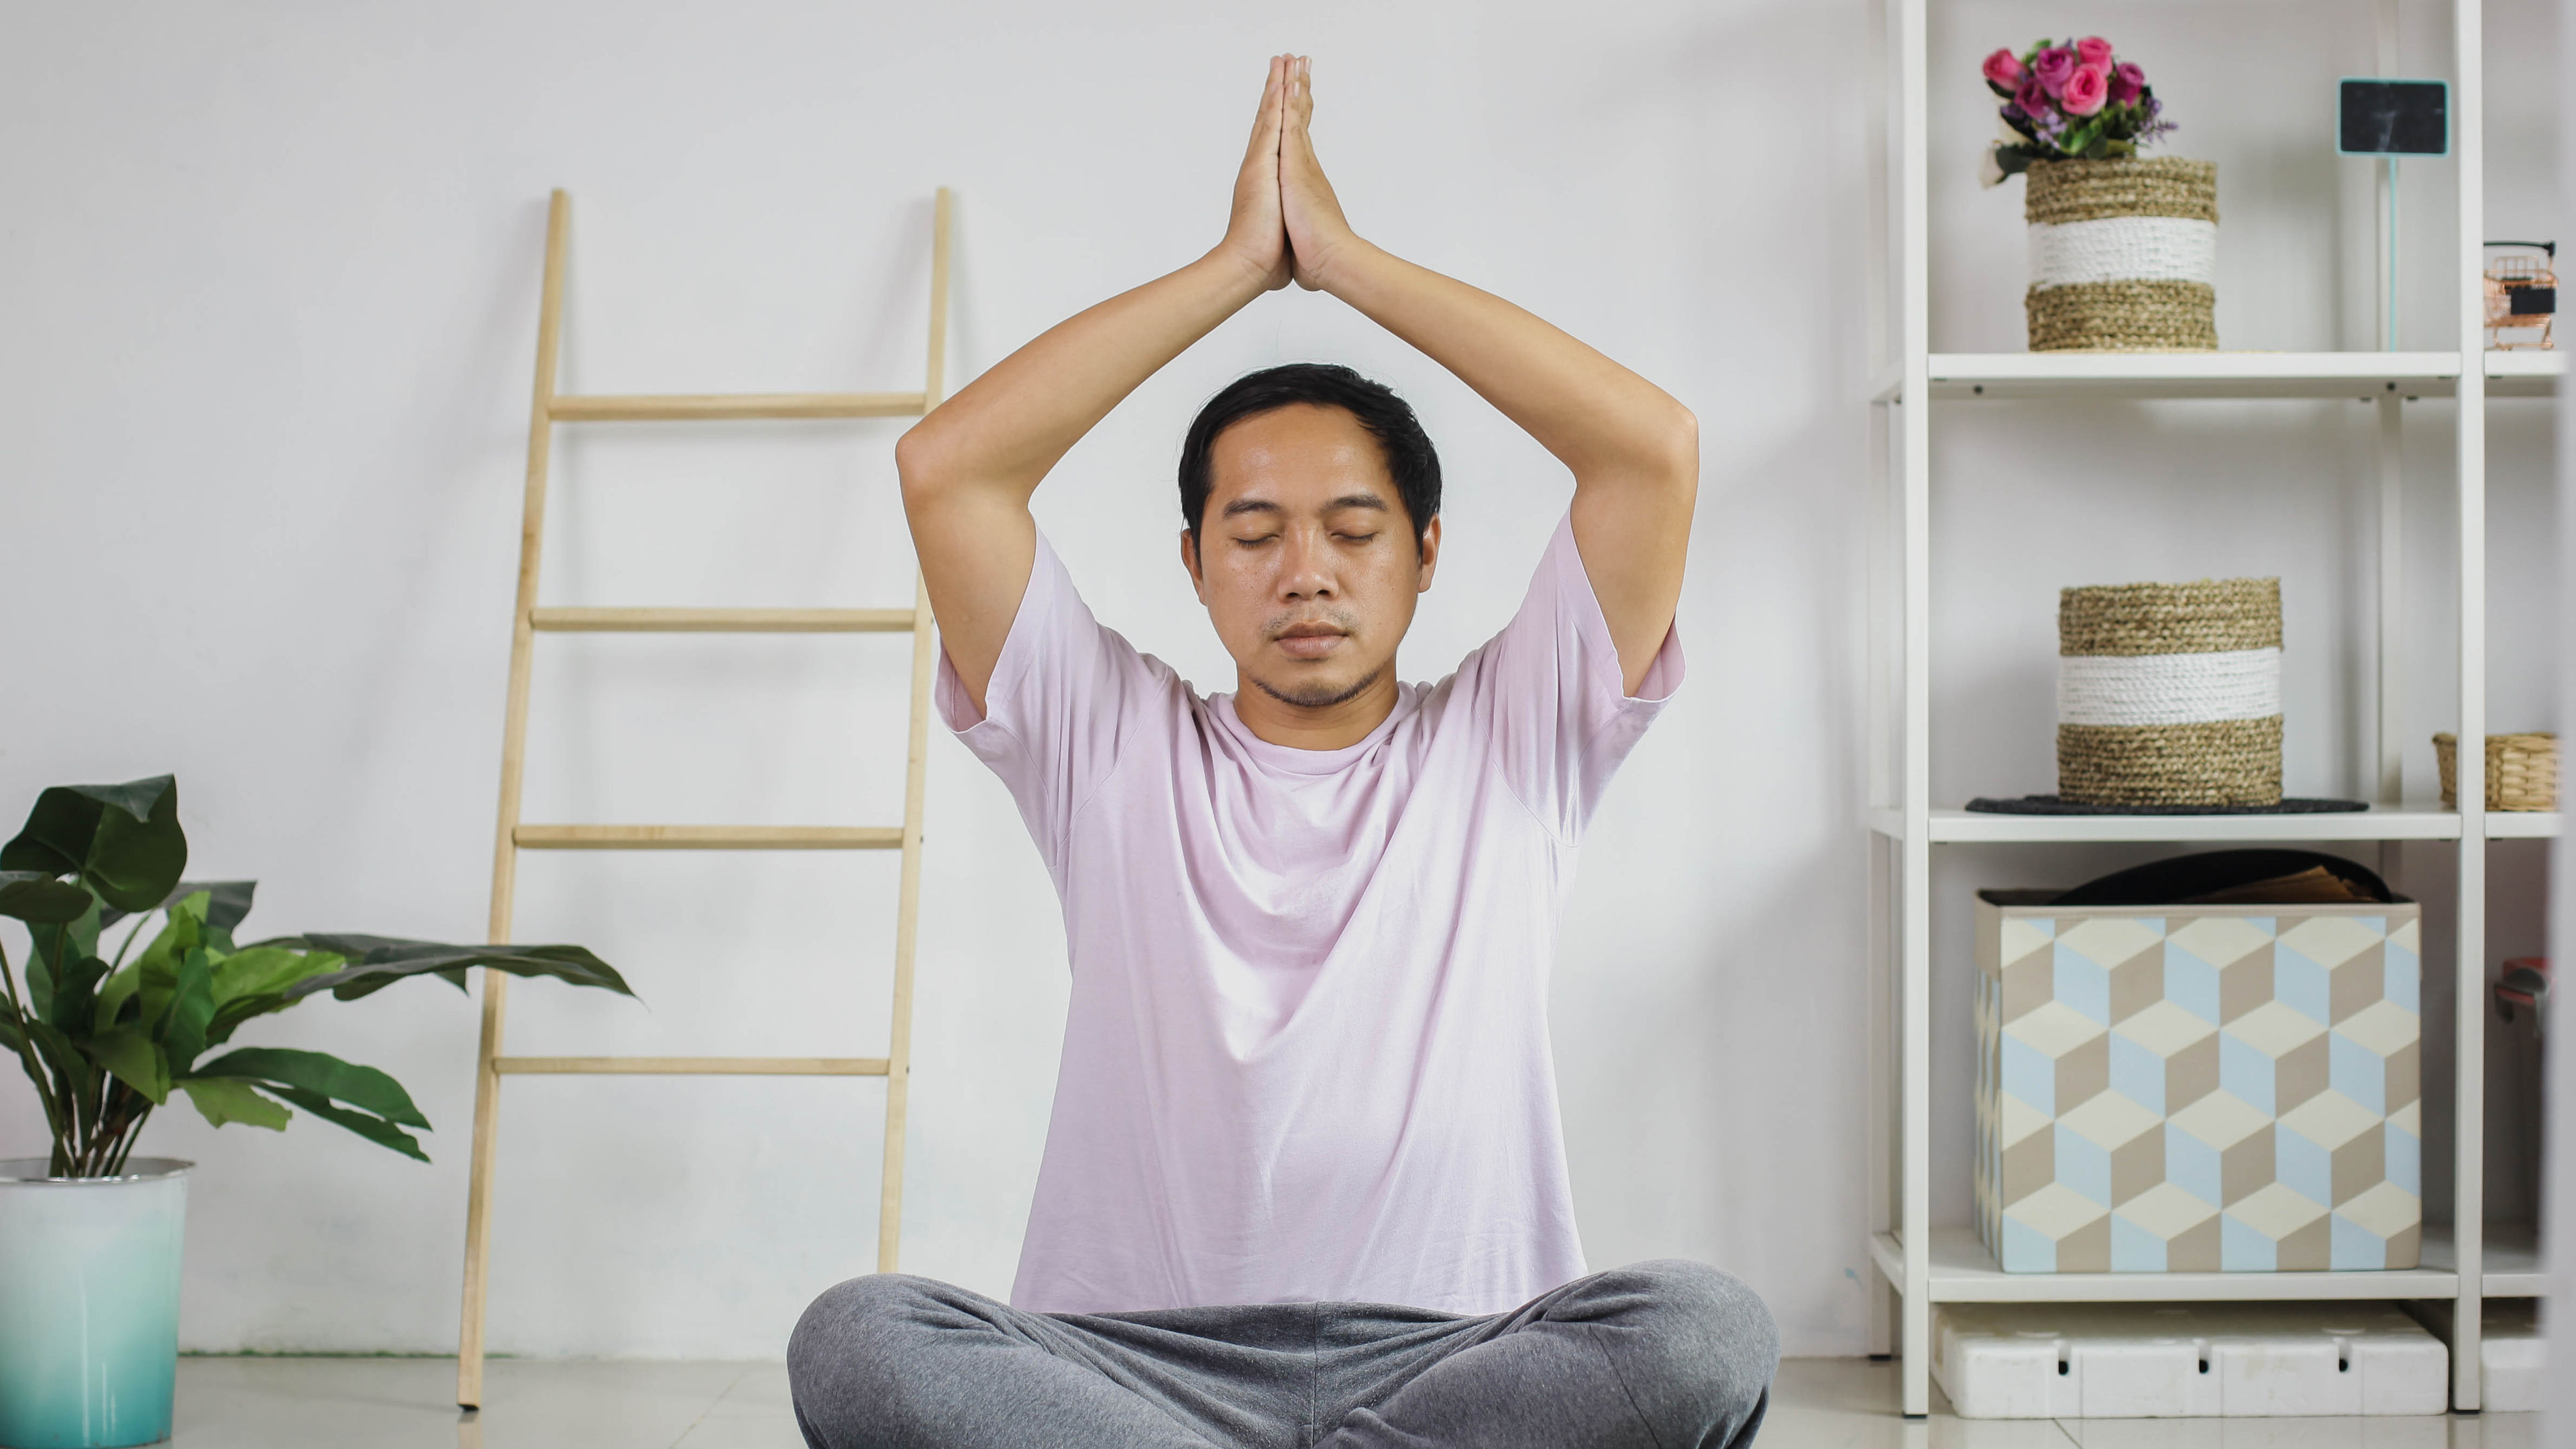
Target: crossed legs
[(1660, 1355)]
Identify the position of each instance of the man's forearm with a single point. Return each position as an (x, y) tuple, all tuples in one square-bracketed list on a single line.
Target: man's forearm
[(1601, 420), (1004, 431)]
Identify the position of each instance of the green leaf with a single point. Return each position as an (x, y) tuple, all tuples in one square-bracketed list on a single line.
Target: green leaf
[(133, 1059), (124, 841), (59, 832), (220, 1100), (114, 996), (52, 947), (40, 981), (229, 901), (260, 969), (372, 1128), (12, 1040), (36, 896), (229, 1015), (379, 961), (57, 1052), (192, 1006), (2080, 140), (157, 969), (75, 994), (321, 1073)]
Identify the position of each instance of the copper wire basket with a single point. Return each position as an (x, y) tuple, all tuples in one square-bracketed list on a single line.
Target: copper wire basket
[(2522, 294)]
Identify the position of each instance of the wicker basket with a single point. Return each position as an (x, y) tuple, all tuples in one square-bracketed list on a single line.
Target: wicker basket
[(2522, 770), (2123, 255), (2170, 694)]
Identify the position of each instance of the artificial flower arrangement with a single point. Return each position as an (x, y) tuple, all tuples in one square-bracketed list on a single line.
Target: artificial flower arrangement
[(2069, 101)]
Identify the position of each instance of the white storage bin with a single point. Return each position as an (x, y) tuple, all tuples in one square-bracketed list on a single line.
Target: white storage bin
[(2178, 1360), (2512, 1364), (2513, 1373)]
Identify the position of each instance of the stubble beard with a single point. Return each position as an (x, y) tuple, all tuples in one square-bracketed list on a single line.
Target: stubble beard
[(1320, 699)]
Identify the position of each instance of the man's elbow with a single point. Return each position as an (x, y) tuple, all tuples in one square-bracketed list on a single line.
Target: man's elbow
[(1676, 449), (921, 464)]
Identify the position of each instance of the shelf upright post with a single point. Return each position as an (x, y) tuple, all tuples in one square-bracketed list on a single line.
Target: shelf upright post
[(2389, 779), (1914, 872), (1880, 774), (2468, 1154), (2389, 782)]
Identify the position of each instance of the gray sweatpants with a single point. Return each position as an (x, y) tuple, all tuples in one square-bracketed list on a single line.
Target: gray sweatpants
[(1661, 1355)]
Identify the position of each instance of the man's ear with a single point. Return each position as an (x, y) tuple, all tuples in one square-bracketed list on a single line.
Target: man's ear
[(1430, 555), (1190, 561)]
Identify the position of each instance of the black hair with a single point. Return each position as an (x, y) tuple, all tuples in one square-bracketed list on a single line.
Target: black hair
[(1410, 459)]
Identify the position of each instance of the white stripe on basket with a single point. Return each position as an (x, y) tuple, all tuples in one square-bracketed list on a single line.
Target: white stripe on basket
[(2124, 249), (2162, 689)]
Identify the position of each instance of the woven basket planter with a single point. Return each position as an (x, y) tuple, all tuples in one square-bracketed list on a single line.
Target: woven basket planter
[(2522, 771), (2170, 694), (2123, 255)]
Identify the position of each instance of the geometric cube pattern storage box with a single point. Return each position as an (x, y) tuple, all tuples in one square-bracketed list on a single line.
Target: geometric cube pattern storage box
[(2198, 1088)]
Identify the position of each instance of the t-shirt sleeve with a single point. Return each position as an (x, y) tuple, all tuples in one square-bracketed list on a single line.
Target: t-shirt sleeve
[(1066, 696), (1549, 691)]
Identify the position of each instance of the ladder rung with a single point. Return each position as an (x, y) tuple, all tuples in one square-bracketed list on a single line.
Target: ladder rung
[(708, 837), (723, 621), (696, 1066), (662, 407)]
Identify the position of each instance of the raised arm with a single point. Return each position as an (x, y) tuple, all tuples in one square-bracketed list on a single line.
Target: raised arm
[(1633, 449), (970, 467)]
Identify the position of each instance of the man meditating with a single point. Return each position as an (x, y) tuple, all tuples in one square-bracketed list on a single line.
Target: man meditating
[(1305, 1183)]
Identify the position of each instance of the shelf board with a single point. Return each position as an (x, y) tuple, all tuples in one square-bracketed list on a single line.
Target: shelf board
[(1962, 1271), (2523, 824), (2525, 373), (2002, 376), (2005, 375), (2511, 1266), (1971, 827)]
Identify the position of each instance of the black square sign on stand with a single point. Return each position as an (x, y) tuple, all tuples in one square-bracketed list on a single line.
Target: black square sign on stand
[(2395, 118)]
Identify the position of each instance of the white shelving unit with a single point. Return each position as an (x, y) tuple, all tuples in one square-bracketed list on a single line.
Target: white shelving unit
[(1920, 1264)]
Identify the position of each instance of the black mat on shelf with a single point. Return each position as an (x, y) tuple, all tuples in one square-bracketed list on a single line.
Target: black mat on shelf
[(2052, 805)]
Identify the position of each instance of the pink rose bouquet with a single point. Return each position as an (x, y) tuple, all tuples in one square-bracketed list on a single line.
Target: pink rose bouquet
[(2069, 100)]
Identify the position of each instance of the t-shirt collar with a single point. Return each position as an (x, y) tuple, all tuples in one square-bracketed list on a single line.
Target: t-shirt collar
[(1309, 762)]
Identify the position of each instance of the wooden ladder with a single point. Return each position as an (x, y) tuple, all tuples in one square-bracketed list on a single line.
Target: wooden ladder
[(547, 409)]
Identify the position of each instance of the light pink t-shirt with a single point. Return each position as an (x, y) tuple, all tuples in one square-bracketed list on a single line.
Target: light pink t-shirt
[(1307, 1052)]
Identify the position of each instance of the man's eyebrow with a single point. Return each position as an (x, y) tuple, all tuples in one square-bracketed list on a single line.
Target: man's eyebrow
[(1242, 506)]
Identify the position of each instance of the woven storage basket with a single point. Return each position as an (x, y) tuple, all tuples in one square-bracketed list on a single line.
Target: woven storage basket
[(2170, 694), (2123, 255), (2522, 771)]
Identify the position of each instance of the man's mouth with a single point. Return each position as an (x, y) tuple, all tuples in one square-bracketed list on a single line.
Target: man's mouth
[(1308, 641)]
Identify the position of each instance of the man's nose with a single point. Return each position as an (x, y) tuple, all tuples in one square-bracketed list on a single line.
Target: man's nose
[(1307, 572)]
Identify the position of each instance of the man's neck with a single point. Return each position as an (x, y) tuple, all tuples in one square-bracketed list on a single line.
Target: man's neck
[(1335, 726)]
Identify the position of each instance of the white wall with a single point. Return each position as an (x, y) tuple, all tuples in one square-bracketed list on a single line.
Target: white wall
[(270, 278)]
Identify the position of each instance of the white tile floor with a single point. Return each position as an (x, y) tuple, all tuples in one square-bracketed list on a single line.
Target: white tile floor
[(403, 1403)]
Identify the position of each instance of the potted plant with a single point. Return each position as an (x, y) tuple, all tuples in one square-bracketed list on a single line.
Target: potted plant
[(2123, 250), (90, 1235)]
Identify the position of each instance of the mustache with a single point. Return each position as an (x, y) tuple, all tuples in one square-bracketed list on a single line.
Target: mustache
[(1339, 619)]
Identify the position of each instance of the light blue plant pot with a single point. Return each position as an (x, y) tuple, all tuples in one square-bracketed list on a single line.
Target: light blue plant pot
[(89, 1304)]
